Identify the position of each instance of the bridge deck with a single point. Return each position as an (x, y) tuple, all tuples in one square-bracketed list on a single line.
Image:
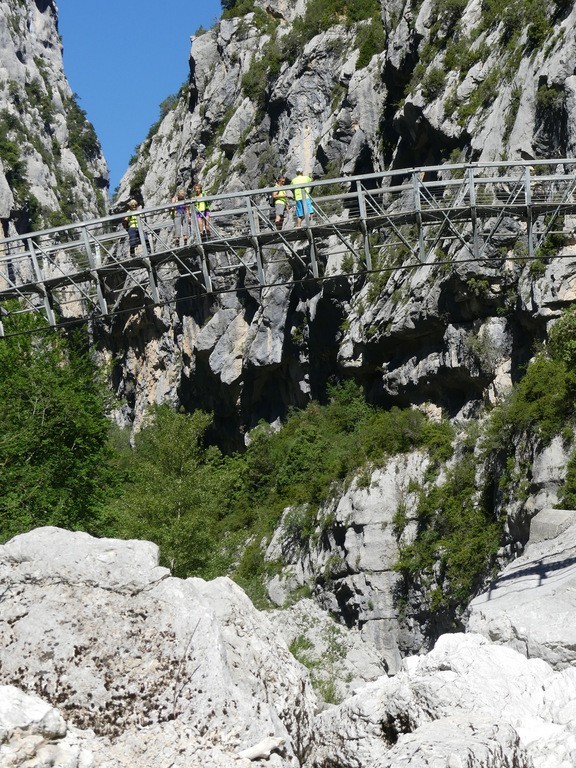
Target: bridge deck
[(418, 210)]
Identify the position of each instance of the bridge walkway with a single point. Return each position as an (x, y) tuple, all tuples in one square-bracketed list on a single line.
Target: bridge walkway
[(83, 269)]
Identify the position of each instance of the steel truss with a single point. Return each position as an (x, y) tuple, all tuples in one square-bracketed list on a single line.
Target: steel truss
[(86, 269)]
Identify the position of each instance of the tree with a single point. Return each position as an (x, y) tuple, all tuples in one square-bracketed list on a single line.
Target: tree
[(54, 455), (177, 492)]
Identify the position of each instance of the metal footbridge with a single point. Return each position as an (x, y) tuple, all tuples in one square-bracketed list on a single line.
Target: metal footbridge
[(384, 221)]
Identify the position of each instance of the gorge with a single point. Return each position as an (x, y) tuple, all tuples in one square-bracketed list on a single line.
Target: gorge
[(388, 466)]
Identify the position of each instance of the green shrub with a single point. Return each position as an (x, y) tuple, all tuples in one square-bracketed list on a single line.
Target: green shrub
[(433, 83), (81, 134), (54, 449), (370, 41), (456, 542)]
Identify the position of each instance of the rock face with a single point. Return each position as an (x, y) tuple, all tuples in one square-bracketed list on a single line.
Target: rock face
[(530, 606), (441, 86), (465, 703), (456, 336), (97, 629), (349, 566), (106, 660), (52, 168)]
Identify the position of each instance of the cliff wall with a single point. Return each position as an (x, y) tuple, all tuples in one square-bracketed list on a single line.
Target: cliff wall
[(413, 84), (51, 166)]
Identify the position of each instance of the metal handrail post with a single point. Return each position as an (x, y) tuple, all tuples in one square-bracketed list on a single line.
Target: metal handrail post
[(254, 231), (46, 296), (473, 211), (142, 235), (93, 262), (529, 221), (418, 210), (364, 225)]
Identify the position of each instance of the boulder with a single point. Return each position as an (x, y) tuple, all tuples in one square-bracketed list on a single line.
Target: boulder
[(98, 629), (468, 702)]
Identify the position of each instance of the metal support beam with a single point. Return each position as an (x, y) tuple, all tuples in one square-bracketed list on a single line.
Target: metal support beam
[(529, 220), (152, 280), (95, 262), (364, 225), (254, 231), (418, 209), (46, 296), (473, 212)]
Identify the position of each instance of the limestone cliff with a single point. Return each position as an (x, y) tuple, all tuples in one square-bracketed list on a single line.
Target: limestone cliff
[(413, 85), (51, 166), (407, 84)]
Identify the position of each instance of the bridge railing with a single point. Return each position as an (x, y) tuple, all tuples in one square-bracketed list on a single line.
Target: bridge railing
[(78, 259)]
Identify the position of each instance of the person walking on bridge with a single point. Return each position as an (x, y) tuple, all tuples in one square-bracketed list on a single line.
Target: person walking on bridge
[(281, 198), (181, 215), (202, 209), (302, 195), (131, 225)]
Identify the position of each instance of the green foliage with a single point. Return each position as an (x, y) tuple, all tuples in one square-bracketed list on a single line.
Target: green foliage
[(81, 134), (254, 82), (39, 97), (370, 40), (433, 83), (14, 165), (541, 403), (210, 512), (550, 98), (562, 340), (323, 14), (482, 96), (176, 491), (53, 434), (327, 667), (515, 16), (512, 112), (232, 8), (457, 539)]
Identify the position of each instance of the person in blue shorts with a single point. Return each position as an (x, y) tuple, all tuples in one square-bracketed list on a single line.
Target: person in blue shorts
[(302, 196)]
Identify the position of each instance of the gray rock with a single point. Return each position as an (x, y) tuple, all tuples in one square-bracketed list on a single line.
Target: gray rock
[(467, 702), (531, 603), (96, 628), (42, 122)]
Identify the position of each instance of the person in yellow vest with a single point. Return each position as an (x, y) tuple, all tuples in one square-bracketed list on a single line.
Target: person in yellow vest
[(131, 225), (302, 196), (202, 209), (281, 199)]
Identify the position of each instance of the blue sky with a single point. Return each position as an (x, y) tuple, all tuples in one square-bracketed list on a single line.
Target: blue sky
[(123, 58)]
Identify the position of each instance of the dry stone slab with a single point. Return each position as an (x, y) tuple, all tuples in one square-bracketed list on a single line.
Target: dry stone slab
[(532, 604)]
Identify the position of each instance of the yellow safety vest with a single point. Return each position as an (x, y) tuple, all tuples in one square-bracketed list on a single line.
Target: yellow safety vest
[(202, 206), (301, 180)]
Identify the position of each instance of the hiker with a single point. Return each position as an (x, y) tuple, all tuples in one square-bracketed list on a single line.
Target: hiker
[(181, 215), (281, 198), (202, 209), (301, 195), (130, 223)]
